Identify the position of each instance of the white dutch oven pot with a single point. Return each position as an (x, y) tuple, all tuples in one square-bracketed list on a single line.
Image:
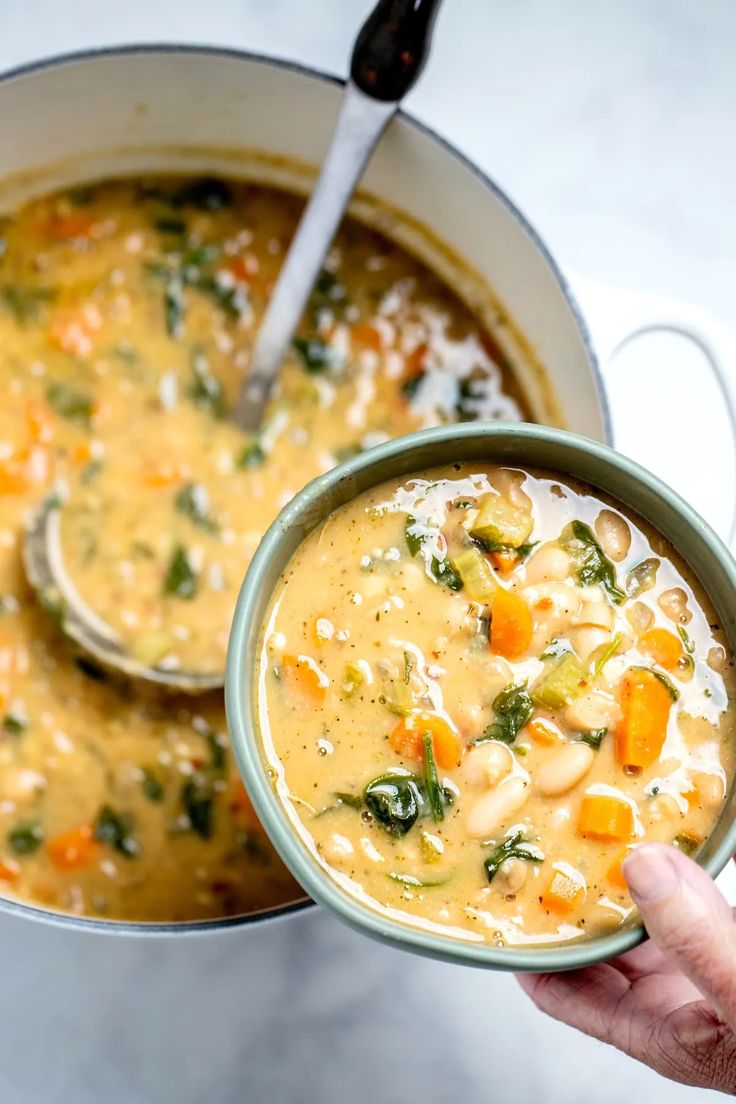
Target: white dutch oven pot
[(160, 109)]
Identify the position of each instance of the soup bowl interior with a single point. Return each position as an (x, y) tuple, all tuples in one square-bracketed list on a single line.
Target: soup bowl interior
[(522, 445)]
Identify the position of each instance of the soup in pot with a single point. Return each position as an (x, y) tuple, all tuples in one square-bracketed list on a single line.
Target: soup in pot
[(127, 313), (505, 682)]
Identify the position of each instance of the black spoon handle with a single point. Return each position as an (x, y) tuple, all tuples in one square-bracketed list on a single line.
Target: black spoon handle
[(392, 47)]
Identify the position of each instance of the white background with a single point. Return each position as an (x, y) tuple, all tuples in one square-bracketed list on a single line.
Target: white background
[(612, 126)]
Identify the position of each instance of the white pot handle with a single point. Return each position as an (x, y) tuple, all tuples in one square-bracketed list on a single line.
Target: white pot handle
[(618, 317)]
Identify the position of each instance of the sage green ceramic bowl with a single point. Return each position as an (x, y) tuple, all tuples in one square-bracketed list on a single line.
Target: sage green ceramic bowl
[(515, 445)]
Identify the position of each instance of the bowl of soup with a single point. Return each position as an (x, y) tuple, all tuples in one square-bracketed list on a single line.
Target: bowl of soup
[(147, 197), (515, 667)]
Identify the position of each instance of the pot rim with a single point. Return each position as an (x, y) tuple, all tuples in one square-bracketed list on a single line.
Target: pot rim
[(133, 49), (621, 478)]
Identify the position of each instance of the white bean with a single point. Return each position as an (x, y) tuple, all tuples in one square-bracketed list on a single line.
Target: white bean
[(563, 770), (512, 875), (589, 637), (560, 604), (709, 788), (336, 849), (593, 710), (548, 564), (596, 613), (613, 534), (494, 674), (673, 604), (640, 617), (486, 764), (718, 659), (495, 808), (509, 485)]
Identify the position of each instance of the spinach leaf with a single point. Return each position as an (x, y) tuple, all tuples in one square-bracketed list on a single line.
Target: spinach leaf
[(688, 646), (431, 781), (25, 302), (666, 681), (327, 294), (252, 456), (198, 801), (217, 745), (513, 847), (181, 578), (90, 471), (231, 299), (608, 653), (414, 883), (353, 801), (170, 225), (27, 837), (151, 786), (414, 538), (70, 402), (408, 667), (594, 738), (396, 800), (445, 574), (15, 722), (55, 606), (206, 391), (593, 566), (174, 306), (411, 386), (192, 500), (206, 194), (314, 354), (513, 708), (116, 830)]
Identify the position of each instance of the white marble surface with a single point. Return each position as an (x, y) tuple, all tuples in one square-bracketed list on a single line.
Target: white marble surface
[(612, 126)]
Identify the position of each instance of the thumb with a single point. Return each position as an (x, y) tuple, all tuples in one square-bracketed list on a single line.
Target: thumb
[(689, 920)]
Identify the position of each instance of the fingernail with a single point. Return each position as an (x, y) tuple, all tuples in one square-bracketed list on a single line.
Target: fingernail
[(650, 874)]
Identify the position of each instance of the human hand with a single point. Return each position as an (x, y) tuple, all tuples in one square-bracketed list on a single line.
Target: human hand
[(670, 1003)]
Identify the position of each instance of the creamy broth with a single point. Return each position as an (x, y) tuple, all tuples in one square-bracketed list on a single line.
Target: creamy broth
[(505, 683), (127, 312)]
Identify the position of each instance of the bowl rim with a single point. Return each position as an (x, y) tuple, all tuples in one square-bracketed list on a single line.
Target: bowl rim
[(306, 511)]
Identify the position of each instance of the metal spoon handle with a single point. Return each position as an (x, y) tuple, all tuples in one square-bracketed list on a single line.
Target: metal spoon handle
[(388, 57)]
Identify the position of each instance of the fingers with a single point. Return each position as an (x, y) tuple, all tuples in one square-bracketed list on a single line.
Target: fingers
[(688, 919), (588, 999)]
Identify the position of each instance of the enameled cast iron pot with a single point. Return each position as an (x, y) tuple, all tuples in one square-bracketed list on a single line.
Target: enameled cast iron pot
[(522, 445), (167, 109)]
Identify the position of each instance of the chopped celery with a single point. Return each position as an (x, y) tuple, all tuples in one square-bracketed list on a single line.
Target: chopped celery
[(565, 680), (399, 697), (475, 572), (500, 523), (354, 678)]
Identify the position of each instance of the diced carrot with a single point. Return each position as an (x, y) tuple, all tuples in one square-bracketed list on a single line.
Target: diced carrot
[(414, 361), (41, 422), (8, 873), (645, 707), (77, 224), (365, 336), (166, 474), (605, 817), (511, 624), (615, 874), (564, 892), (542, 732), (84, 451), (240, 269), (73, 330), (408, 736), (324, 630), (504, 561), (303, 677), (23, 470), (74, 849), (663, 647)]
